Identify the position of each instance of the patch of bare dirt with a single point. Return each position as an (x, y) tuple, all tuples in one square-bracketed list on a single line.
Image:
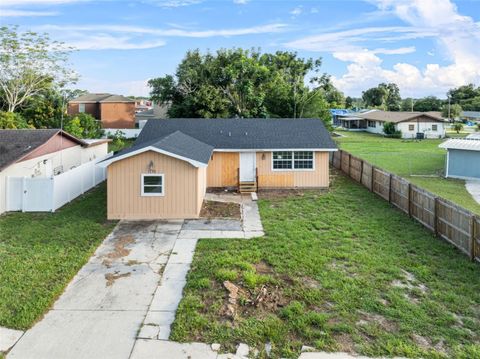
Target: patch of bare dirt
[(112, 277), (273, 194), (214, 209), (415, 289), (380, 320), (310, 283), (345, 343), (263, 268)]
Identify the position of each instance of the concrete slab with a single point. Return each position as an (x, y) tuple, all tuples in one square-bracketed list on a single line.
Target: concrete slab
[(159, 349), (213, 224), (103, 308), (251, 216), (232, 197), (183, 250), (167, 296), (8, 338), (89, 334), (473, 187), (162, 320)]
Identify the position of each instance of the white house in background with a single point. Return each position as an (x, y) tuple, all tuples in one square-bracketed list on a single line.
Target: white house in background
[(43, 154), (428, 124)]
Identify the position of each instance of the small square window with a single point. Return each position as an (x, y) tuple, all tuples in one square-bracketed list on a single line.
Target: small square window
[(81, 107), (434, 127), (152, 185), (411, 127)]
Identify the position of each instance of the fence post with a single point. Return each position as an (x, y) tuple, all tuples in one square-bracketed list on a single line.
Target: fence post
[(472, 237), (409, 197), (349, 164), (24, 192), (361, 171), (435, 215), (372, 178), (390, 187)]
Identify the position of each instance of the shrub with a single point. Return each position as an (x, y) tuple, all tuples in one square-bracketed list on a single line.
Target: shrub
[(457, 127), (83, 125), (390, 131), (118, 139), (12, 120)]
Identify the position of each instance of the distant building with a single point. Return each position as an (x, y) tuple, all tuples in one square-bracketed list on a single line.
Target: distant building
[(470, 115), (114, 111), (426, 124), (155, 112)]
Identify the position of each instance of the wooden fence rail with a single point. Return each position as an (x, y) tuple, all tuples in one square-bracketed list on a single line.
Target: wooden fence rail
[(447, 220)]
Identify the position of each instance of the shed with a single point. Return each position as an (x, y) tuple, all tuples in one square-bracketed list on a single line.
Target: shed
[(463, 158)]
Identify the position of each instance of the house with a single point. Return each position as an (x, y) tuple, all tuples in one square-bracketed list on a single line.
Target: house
[(113, 111), (411, 124), (155, 112), (463, 158), (42, 154), (166, 172), (473, 116)]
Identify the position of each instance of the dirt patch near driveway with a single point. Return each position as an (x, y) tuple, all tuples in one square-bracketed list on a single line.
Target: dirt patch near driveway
[(119, 247), (213, 209)]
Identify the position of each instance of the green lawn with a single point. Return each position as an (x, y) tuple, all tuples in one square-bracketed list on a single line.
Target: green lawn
[(411, 159), (41, 252), (337, 270)]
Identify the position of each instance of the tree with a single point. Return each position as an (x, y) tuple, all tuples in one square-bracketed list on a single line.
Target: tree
[(45, 110), (468, 97), (83, 125), (348, 102), (386, 96), (429, 103), (407, 104), (240, 83), (29, 64), (451, 111), (457, 126), (10, 120), (374, 97)]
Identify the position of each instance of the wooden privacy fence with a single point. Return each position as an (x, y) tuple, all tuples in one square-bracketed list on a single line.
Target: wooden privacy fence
[(447, 220)]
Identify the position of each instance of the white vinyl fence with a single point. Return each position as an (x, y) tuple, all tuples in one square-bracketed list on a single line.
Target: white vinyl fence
[(48, 194)]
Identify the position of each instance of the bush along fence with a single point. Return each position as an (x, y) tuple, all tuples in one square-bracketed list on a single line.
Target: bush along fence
[(447, 220)]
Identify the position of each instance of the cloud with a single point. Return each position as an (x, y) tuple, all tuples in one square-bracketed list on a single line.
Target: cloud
[(241, 2), (103, 37), (126, 88), (297, 11), (25, 13), (456, 36), (174, 3)]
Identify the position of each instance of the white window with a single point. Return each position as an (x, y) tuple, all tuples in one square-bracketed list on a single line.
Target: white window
[(152, 185), (288, 160), (371, 124), (411, 127), (81, 107), (434, 127)]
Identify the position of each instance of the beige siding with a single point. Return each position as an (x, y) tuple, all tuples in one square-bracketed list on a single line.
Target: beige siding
[(288, 179), (222, 169), (181, 188), (201, 187)]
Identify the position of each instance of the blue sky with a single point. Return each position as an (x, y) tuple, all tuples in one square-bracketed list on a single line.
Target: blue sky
[(425, 46)]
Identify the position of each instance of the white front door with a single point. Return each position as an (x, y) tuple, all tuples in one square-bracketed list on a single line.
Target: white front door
[(247, 166)]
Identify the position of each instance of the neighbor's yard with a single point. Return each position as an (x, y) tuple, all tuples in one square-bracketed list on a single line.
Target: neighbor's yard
[(340, 271), (41, 252), (421, 162)]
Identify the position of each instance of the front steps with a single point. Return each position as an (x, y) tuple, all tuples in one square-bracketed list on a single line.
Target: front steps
[(247, 187)]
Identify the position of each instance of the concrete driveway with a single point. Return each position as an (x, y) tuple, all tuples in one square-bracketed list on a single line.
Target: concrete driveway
[(122, 303), (102, 309)]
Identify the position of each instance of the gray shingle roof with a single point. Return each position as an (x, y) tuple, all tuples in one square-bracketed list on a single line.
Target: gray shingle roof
[(15, 144), (101, 97), (393, 116), (254, 134), (176, 143)]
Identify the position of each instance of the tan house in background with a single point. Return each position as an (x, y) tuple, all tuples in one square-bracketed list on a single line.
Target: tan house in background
[(166, 173), (114, 111)]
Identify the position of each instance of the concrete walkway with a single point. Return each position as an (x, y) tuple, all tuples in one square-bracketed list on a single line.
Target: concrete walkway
[(125, 298), (473, 187)]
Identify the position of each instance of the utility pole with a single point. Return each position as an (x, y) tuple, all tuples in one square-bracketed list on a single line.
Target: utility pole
[(449, 119)]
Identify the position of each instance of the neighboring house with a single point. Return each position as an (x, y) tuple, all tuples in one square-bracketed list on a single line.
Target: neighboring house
[(166, 172), (113, 111), (42, 154), (428, 124), (470, 116), (156, 112), (463, 158)]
